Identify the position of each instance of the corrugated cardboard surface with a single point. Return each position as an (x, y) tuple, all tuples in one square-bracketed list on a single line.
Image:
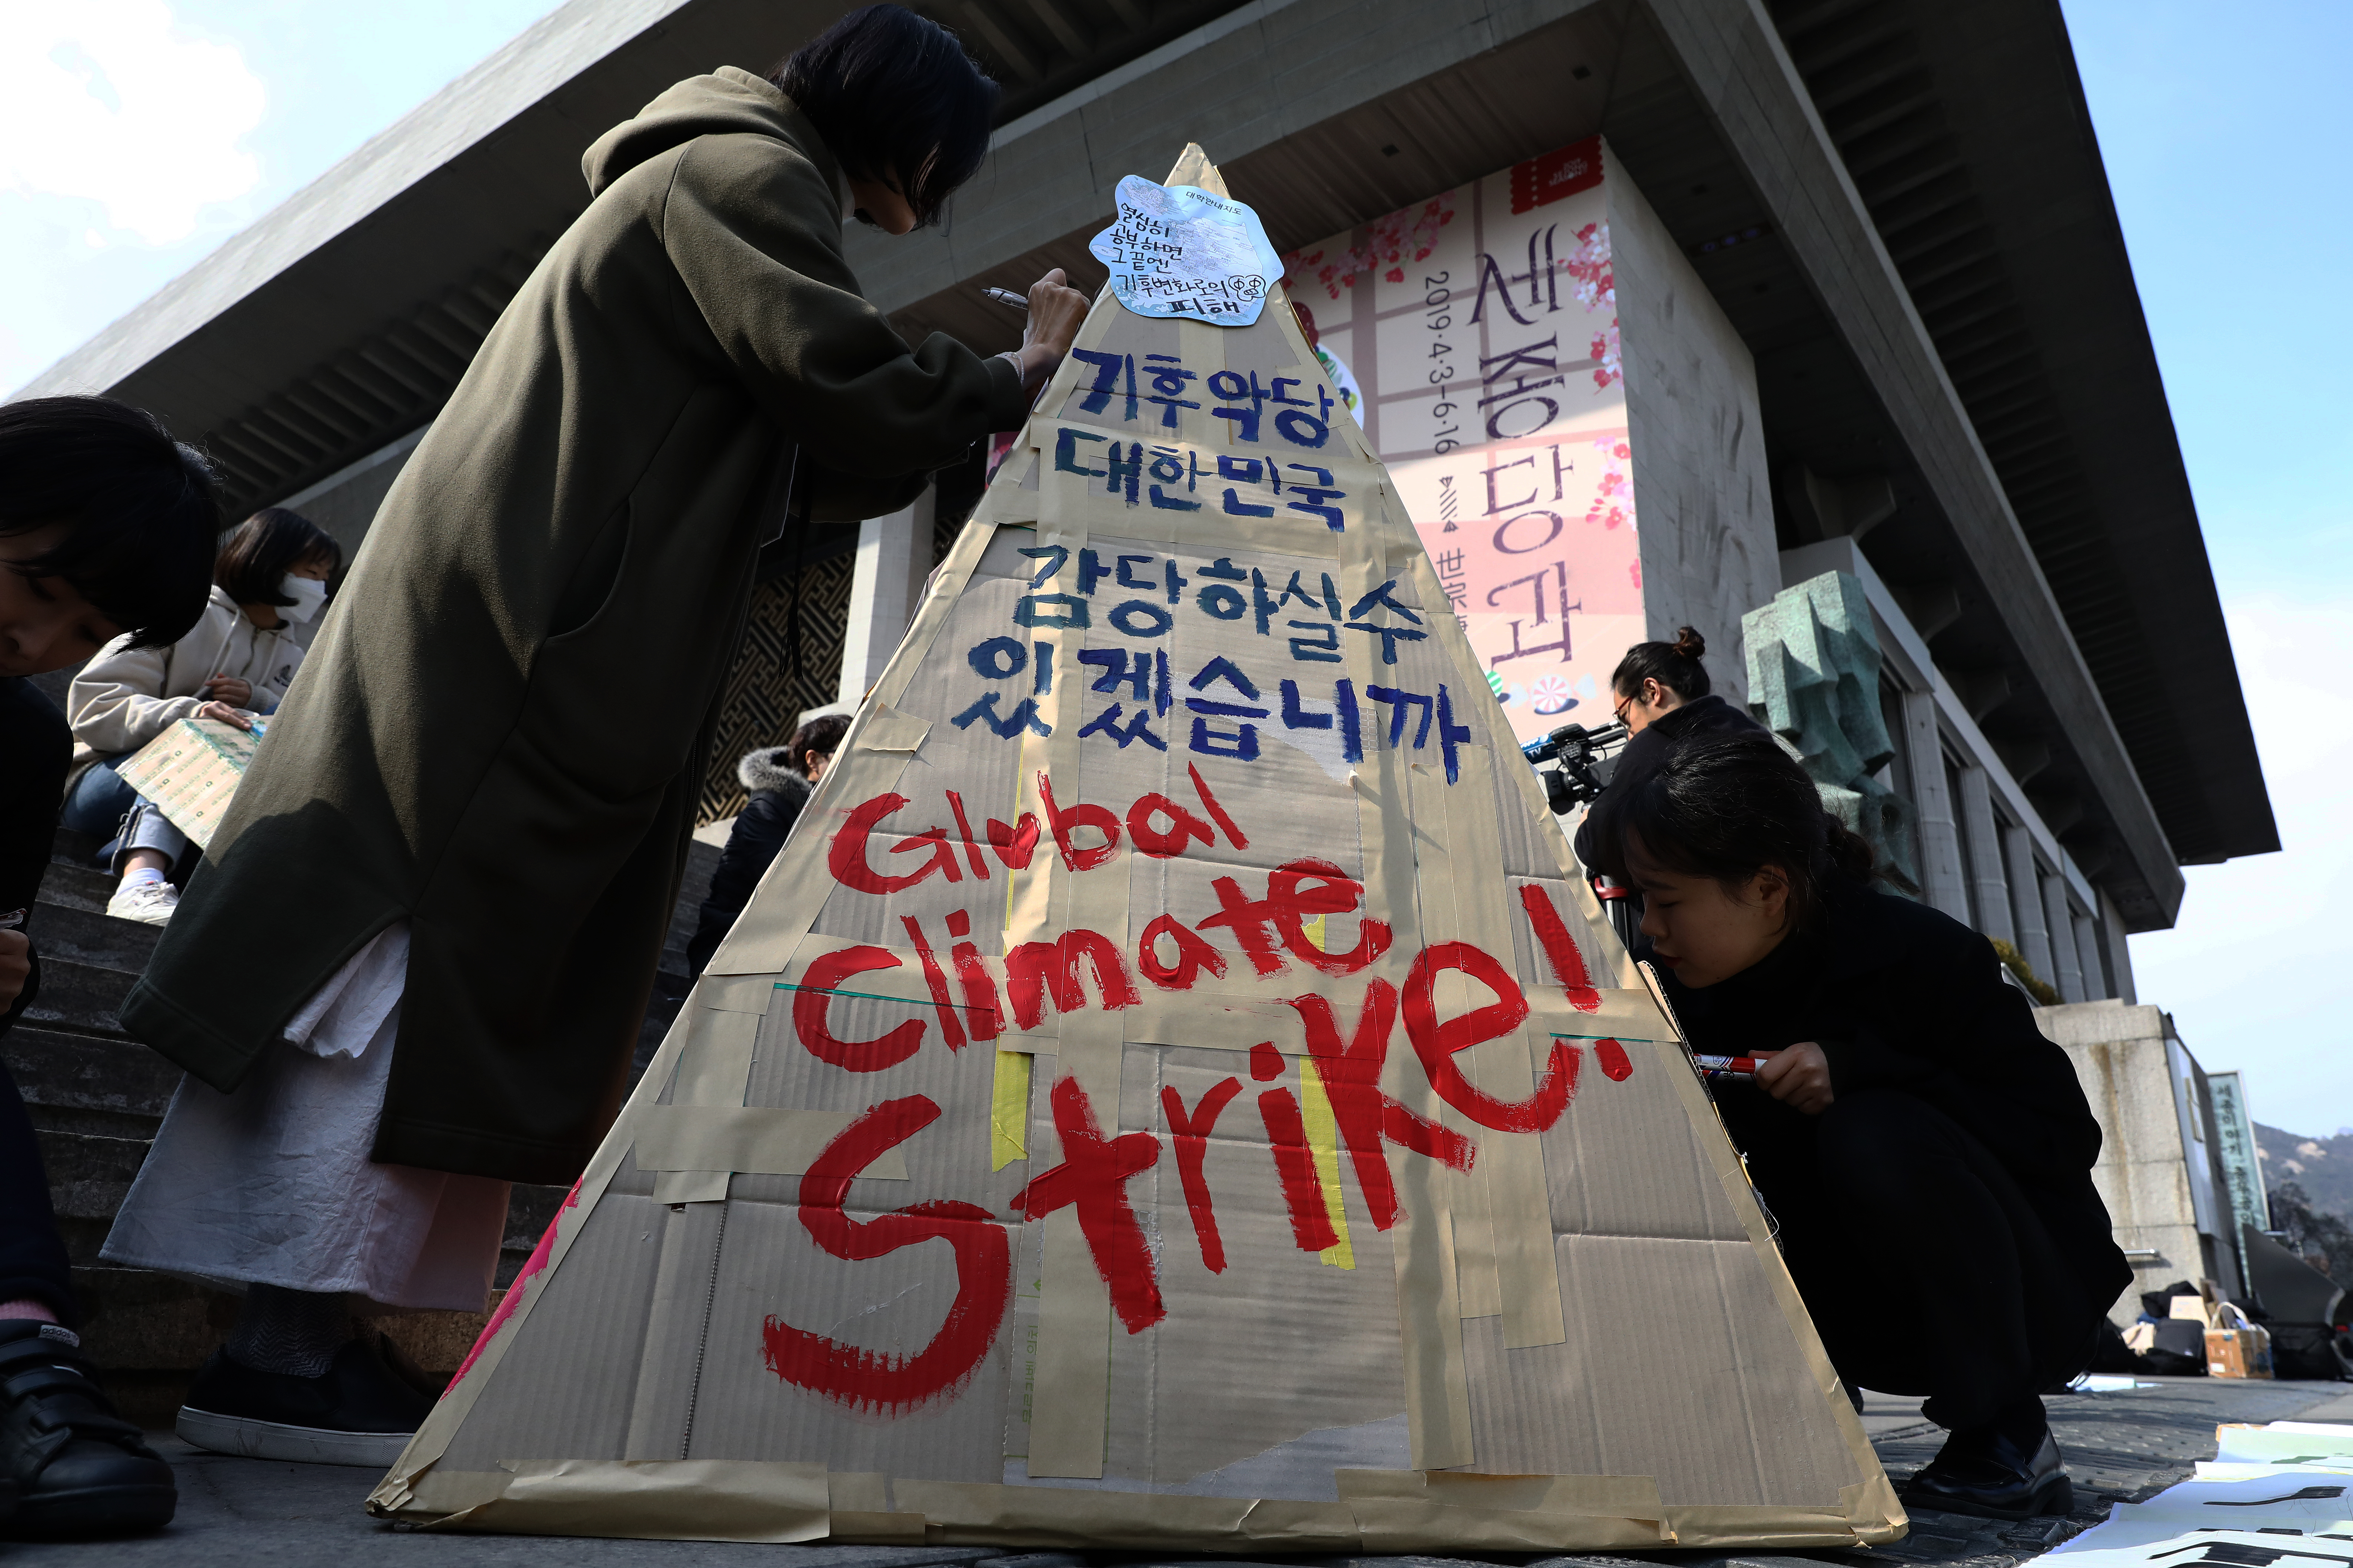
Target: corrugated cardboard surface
[(1585, 1340)]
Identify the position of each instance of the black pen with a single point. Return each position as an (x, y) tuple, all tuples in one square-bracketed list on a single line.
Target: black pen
[(1006, 298)]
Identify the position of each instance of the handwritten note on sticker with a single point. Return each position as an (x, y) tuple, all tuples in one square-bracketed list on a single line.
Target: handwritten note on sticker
[(1176, 250)]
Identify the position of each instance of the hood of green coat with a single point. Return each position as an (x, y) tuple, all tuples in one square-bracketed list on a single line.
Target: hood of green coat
[(728, 102)]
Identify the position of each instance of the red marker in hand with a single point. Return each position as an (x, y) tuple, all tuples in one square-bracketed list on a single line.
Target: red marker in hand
[(1736, 1066)]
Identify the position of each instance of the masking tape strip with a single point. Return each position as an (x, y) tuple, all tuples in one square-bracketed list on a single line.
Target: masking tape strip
[(985, 1514), (1399, 1509), (888, 729), (1625, 1496), (982, 1513), (655, 1499), (1214, 1020), (1307, 541), (675, 1187), (1628, 1016), (715, 1067), (1008, 1110), (437, 1493), (764, 1140), (1867, 1515), (1437, 877), (733, 994), (1430, 1322), (1069, 1413), (860, 1492), (1401, 1526), (1511, 1166), (1438, 1403), (863, 1529), (1378, 1512), (1072, 1378)]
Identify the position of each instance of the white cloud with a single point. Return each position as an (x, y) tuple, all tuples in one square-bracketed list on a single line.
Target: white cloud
[(2250, 970), (106, 101)]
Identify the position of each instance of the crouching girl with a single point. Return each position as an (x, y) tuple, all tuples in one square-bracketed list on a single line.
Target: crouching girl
[(1926, 1150)]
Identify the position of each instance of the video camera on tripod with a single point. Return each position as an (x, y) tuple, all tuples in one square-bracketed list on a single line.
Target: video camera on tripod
[(1572, 750)]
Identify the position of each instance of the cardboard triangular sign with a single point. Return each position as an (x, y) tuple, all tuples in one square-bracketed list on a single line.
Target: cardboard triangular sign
[(1172, 1091)]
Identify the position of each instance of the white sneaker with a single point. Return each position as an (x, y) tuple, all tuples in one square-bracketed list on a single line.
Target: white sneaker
[(149, 903)]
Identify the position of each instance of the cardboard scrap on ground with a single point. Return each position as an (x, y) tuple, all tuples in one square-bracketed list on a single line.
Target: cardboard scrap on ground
[(189, 771), (2242, 1510), (1174, 1093)]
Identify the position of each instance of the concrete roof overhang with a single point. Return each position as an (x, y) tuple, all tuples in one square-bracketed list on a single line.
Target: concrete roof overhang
[(1929, 275), (344, 316)]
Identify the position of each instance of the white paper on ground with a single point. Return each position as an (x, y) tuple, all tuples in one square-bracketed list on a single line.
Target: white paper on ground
[(2179, 1548), (2288, 1443), (2280, 1505), (2240, 1470)]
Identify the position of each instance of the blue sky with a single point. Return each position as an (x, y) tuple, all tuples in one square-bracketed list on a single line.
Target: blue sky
[(2224, 144), (188, 120), (2225, 141)]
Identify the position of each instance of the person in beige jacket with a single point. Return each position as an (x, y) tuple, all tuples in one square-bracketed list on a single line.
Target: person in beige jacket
[(234, 665)]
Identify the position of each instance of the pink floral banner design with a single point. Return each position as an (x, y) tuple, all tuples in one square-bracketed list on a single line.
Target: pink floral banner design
[(1475, 335)]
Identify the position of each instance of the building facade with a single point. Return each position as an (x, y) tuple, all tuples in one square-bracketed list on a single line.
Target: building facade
[(1656, 307)]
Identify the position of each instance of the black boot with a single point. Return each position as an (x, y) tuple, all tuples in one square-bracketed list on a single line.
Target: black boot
[(2008, 1468), (77, 1467), (358, 1412)]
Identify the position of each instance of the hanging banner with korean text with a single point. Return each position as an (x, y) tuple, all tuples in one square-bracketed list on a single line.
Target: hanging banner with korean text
[(1480, 330), (1172, 1091)]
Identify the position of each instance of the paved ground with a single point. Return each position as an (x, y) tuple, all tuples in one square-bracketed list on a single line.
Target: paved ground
[(2120, 1447)]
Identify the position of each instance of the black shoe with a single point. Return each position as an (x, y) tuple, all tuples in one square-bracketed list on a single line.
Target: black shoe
[(77, 1468), (1993, 1476), (358, 1412)]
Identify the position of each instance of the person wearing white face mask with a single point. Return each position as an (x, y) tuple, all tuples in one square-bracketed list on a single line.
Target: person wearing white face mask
[(236, 666)]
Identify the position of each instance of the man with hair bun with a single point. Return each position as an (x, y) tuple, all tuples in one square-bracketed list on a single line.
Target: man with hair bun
[(1662, 692)]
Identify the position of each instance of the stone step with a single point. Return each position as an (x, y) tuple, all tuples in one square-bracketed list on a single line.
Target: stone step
[(89, 1174), (60, 1072), (67, 847), (76, 887), (144, 1321), (84, 998), (96, 939)]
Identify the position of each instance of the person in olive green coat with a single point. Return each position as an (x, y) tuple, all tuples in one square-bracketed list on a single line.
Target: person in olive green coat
[(429, 925), (497, 740)]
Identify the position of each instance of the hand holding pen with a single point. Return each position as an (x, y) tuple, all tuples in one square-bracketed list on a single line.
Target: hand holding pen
[(1798, 1076)]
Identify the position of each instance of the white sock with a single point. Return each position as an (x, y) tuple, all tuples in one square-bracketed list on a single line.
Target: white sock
[(142, 877)]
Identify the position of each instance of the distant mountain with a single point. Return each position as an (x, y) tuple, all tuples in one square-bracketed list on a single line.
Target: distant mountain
[(2322, 1167)]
